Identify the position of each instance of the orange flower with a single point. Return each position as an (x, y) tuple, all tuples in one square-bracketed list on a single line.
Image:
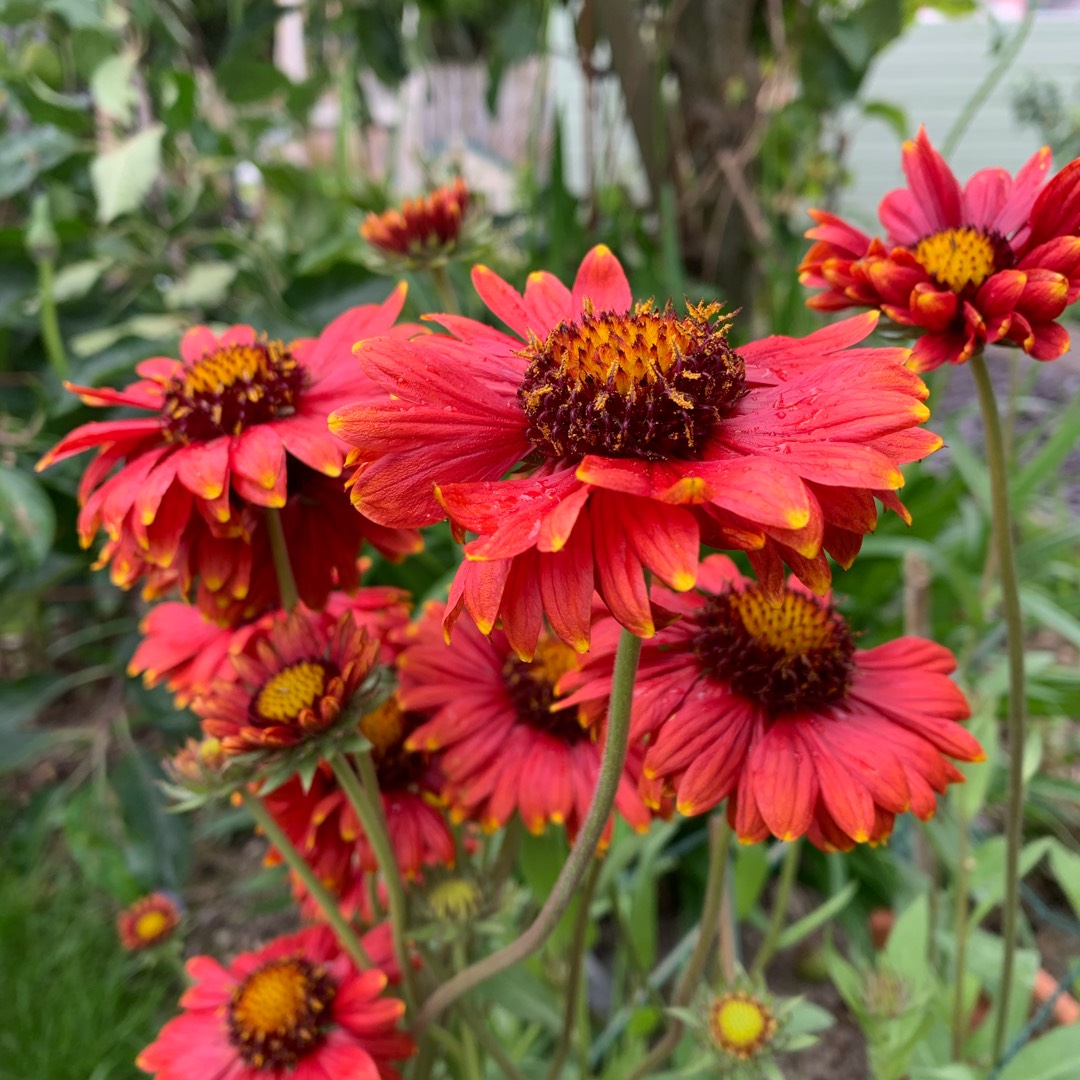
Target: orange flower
[(238, 425), (995, 261), (501, 748), (296, 1008), (150, 921), (423, 230), (604, 438), (772, 707)]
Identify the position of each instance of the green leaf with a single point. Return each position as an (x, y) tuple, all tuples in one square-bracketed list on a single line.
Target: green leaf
[(147, 327), (112, 88), (25, 155), (1052, 1057), (988, 877), (122, 177), (906, 950), (1066, 867), (1046, 463), (27, 518), (890, 114), (971, 795), (805, 926), (751, 873), (203, 286), (245, 81), (1038, 605), (75, 280)]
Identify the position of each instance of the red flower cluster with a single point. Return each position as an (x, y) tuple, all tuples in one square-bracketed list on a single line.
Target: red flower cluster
[(632, 436), (995, 261)]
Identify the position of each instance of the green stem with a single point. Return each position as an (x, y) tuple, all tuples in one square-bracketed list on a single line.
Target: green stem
[(51, 337), (280, 552), (470, 1051), (779, 911), (447, 298), (581, 855), (960, 929), (363, 793), (1014, 628), (574, 975), (719, 843), (296, 862)]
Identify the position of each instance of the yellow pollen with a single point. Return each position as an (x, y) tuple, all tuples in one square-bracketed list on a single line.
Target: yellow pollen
[(634, 348), (957, 257), (551, 661), (273, 1000), (253, 364), (740, 1024), (795, 626), (151, 925), (384, 727), (291, 691)]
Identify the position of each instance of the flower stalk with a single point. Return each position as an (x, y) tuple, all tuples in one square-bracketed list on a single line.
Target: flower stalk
[(1017, 725), (290, 596), (299, 866), (581, 855), (363, 793), (779, 911)]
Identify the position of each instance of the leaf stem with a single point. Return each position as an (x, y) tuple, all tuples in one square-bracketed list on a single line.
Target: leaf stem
[(1017, 729), (363, 793), (280, 552), (51, 337), (960, 931), (581, 855), (296, 862)]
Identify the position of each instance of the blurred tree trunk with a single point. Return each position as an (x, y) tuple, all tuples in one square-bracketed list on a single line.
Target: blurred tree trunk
[(702, 142)]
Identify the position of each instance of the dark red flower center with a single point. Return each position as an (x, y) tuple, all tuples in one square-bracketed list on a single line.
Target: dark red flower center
[(280, 1013), (232, 388), (532, 690), (959, 258), (387, 728), (792, 655), (645, 385)]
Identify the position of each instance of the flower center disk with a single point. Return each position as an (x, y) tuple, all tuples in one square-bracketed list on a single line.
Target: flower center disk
[(230, 389), (957, 258), (290, 691), (741, 1025), (645, 385), (387, 728), (787, 656), (278, 1013)]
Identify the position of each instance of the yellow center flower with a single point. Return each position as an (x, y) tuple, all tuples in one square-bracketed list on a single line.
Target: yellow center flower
[(231, 389), (645, 384), (277, 1013), (741, 1025), (384, 727), (957, 258), (290, 691), (454, 900)]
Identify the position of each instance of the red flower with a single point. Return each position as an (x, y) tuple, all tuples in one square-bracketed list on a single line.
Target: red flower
[(324, 827), (501, 748), (995, 261), (422, 228), (148, 922), (295, 1008), (187, 651), (302, 676), (635, 436), (238, 424), (773, 708)]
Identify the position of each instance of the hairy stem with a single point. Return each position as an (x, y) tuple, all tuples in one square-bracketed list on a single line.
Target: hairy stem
[(960, 931), (581, 855), (1014, 630), (296, 862)]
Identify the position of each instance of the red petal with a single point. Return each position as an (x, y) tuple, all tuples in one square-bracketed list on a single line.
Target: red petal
[(566, 587), (256, 455), (784, 784), (203, 468), (932, 183), (621, 579), (602, 281), (502, 299)]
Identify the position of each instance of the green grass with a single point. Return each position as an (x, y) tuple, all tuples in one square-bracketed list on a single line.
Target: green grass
[(75, 1006)]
